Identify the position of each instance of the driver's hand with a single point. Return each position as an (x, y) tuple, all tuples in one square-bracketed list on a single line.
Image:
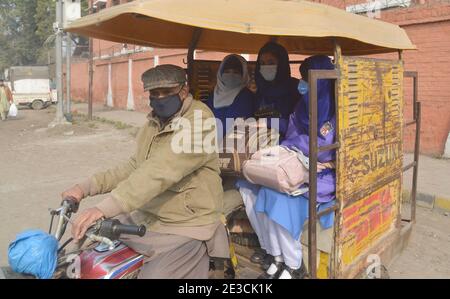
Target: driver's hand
[(75, 192), (83, 221)]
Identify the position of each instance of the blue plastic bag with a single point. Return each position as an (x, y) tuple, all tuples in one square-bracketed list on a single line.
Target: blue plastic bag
[(34, 252)]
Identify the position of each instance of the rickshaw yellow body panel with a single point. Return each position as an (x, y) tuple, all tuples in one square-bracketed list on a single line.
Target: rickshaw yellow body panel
[(369, 161)]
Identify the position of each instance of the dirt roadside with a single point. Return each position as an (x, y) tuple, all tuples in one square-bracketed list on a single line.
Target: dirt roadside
[(37, 164)]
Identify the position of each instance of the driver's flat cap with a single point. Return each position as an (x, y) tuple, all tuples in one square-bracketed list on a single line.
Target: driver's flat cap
[(163, 76)]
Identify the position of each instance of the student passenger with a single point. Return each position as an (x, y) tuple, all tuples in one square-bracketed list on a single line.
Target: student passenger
[(231, 98), (277, 92), (278, 218)]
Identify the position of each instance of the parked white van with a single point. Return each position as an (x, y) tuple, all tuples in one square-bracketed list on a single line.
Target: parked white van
[(30, 86)]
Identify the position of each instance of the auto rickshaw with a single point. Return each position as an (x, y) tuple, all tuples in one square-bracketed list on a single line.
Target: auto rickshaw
[(369, 104)]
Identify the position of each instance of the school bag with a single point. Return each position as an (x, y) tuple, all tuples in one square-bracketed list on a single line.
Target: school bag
[(279, 168)]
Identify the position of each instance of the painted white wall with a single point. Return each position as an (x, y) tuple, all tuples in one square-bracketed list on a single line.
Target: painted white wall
[(246, 56), (447, 147), (109, 96), (370, 6), (130, 99)]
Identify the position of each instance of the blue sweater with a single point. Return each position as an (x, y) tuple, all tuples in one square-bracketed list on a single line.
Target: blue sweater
[(244, 106), (282, 98)]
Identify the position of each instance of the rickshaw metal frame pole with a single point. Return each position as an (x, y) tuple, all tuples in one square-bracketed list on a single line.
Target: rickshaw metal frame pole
[(417, 121), (334, 248), (418, 114), (190, 55), (328, 210), (313, 77)]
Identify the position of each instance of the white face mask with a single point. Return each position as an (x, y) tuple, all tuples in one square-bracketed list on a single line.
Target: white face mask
[(231, 80), (269, 72)]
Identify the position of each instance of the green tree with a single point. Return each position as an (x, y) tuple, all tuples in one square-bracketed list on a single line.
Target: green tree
[(45, 16), (25, 26), (19, 43)]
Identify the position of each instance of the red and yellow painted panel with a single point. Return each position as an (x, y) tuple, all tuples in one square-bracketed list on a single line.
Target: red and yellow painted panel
[(366, 220), (370, 99)]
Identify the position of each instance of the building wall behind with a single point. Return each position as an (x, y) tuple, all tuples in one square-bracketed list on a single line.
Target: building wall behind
[(79, 80), (428, 26)]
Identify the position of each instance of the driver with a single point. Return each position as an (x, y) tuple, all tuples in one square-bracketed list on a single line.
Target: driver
[(176, 194)]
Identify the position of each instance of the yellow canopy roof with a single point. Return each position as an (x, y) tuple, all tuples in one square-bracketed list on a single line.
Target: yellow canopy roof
[(239, 26)]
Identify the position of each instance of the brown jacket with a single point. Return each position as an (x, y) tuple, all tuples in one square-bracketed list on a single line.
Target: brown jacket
[(169, 192)]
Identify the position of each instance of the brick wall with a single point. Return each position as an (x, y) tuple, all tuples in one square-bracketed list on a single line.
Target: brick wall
[(428, 26), (426, 22)]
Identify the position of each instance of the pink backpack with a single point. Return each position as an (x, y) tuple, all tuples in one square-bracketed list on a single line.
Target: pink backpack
[(278, 168)]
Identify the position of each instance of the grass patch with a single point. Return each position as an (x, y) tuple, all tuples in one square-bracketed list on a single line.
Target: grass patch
[(439, 157), (122, 126), (93, 125), (117, 124)]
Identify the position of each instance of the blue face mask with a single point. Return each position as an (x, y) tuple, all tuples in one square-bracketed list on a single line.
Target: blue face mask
[(231, 80), (303, 87), (166, 107)]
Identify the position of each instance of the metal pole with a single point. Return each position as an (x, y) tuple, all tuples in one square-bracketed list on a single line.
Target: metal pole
[(312, 246), (58, 63), (91, 66), (415, 94), (190, 55), (337, 216), (417, 122), (313, 77), (68, 76), (417, 116)]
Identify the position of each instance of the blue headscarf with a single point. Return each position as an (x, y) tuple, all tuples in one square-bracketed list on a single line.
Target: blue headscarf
[(325, 94)]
